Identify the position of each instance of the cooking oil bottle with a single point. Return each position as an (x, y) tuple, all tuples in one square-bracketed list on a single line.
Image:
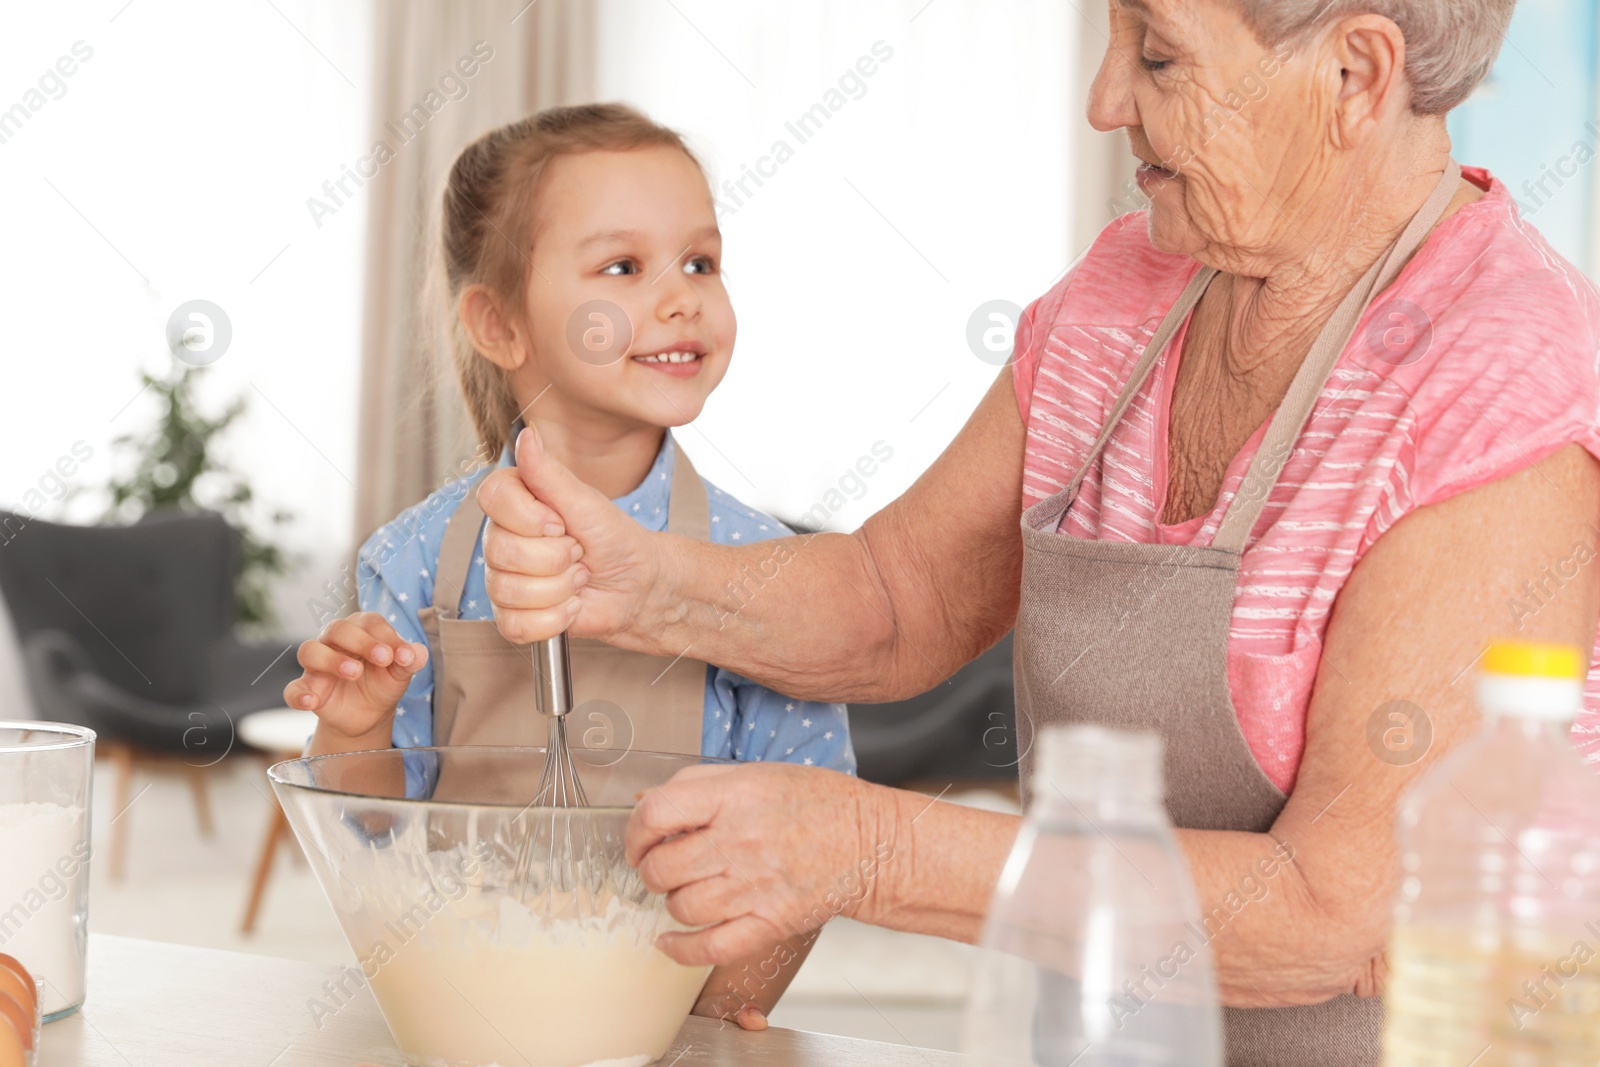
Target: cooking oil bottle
[(1495, 959)]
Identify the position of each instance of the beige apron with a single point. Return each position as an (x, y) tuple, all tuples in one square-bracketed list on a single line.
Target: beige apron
[(483, 688), (1136, 636)]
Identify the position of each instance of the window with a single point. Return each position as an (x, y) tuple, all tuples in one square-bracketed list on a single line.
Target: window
[(1532, 123)]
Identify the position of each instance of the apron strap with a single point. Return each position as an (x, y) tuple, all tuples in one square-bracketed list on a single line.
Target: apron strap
[(1141, 371), (1242, 512), (688, 514), (1314, 372), (688, 511), (455, 554)]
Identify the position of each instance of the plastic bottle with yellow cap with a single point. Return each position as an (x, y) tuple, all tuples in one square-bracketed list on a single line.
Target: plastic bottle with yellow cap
[(1495, 955)]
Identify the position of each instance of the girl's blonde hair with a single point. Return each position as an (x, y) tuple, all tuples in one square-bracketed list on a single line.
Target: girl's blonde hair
[(486, 231)]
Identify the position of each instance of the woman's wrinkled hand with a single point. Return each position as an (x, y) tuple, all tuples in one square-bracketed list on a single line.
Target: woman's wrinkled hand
[(759, 852), (558, 555)]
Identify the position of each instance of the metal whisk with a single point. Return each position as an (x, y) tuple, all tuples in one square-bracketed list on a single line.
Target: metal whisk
[(551, 839)]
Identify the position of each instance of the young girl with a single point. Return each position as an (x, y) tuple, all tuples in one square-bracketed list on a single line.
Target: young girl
[(582, 261)]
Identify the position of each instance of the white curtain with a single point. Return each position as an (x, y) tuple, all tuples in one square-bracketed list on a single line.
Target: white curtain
[(522, 56)]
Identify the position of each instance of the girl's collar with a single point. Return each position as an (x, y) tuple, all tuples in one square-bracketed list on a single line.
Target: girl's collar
[(648, 501)]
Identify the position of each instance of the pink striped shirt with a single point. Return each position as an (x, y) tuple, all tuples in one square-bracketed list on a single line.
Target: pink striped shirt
[(1498, 372)]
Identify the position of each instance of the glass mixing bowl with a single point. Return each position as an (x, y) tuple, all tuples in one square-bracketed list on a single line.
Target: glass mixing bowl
[(486, 937)]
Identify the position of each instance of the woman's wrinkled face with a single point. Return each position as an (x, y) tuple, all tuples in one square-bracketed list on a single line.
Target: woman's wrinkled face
[(1223, 125)]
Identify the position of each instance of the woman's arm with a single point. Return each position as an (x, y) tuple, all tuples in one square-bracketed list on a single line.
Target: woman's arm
[(1299, 914), (884, 613), (1410, 624)]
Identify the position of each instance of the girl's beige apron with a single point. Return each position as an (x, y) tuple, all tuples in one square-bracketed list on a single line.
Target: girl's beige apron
[(1136, 636), (483, 691)]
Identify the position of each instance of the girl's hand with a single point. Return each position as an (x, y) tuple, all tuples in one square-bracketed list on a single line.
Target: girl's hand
[(558, 555), (355, 674), (748, 1017)]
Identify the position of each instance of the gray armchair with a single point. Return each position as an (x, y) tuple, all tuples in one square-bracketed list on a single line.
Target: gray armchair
[(129, 630), (964, 731)]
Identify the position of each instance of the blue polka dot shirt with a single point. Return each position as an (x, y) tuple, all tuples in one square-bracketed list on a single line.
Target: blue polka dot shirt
[(743, 720)]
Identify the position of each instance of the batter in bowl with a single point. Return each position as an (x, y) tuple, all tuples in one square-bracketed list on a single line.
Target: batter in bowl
[(489, 985)]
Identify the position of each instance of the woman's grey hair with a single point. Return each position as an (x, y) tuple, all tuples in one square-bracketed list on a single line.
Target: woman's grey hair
[(1450, 44)]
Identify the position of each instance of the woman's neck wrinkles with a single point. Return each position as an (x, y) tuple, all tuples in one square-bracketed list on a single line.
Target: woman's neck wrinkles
[(1329, 247)]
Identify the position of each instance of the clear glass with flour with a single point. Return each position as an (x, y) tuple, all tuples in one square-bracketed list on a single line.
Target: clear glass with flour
[(471, 966), (46, 778)]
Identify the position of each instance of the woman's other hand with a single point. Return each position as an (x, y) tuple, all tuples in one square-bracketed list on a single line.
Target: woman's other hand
[(558, 555), (356, 671), (759, 853)]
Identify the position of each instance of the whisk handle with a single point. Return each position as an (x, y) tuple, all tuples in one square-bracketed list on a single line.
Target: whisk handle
[(552, 675), (552, 667)]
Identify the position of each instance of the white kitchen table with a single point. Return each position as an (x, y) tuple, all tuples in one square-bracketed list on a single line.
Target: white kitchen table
[(158, 1005)]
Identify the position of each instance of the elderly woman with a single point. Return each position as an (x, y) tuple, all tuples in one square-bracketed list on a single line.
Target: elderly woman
[(1283, 450)]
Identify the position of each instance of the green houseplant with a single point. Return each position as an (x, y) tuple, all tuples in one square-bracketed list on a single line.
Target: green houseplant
[(174, 465)]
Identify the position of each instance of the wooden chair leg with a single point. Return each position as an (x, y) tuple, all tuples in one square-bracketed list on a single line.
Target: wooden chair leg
[(276, 829), (122, 760), (296, 855), (202, 800)]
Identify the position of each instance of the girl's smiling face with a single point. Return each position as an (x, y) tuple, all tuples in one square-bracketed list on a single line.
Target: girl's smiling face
[(626, 315)]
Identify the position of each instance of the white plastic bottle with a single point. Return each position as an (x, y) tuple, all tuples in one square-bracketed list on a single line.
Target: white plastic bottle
[(1093, 954), (1495, 958)]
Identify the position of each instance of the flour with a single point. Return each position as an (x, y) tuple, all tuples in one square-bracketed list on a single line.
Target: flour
[(43, 875)]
